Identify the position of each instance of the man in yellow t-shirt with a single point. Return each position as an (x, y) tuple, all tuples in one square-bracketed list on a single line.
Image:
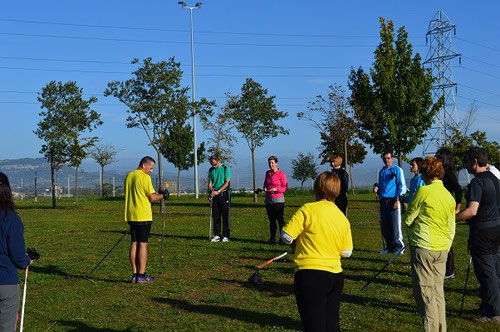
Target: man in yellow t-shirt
[(139, 194)]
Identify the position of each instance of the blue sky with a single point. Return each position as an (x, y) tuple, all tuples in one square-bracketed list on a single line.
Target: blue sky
[(278, 43)]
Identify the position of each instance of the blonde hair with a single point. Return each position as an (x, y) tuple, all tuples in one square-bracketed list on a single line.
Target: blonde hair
[(327, 186), (337, 159)]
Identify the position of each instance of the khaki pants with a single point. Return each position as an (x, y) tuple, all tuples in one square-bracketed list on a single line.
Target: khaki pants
[(427, 271)]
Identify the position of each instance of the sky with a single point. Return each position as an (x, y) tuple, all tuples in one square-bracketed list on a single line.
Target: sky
[(295, 49)]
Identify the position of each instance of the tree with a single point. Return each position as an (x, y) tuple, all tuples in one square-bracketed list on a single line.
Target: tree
[(154, 98), (304, 168), (221, 141), (78, 151), (66, 116), (393, 104), (178, 145), (337, 127), (103, 154), (253, 114)]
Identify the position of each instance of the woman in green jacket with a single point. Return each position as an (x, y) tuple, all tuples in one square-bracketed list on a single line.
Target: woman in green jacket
[(431, 219)]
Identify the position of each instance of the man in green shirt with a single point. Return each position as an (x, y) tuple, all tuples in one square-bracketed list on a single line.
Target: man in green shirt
[(219, 178), (139, 194)]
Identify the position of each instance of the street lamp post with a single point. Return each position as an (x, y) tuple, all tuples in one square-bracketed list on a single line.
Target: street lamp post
[(193, 94)]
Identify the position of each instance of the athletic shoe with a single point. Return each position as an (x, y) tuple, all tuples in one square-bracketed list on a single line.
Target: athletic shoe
[(281, 242), (225, 239), (271, 241), (451, 276), (216, 238), (133, 280), (385, 251), (144, 279)]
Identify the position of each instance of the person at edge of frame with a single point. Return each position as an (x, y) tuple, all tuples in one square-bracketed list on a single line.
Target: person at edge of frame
[(139, 194), (416, 181), (450, 182), (275, 185), (482, 214), (219, 180), (430, 218), (390, 188), (341, 200), (321, 235), (13, 256)]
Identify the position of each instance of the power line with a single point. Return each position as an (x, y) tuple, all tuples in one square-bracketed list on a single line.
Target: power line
[(479, 114), (478, 44), (203, 75), (484, 91), (198, 31), (183, 42), (480, 61), (480, 72), (201, 65), (479, 101)]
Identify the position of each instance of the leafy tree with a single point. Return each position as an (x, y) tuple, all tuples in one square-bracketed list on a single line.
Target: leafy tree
[(103, 154), (304, 168), (253, 114), (337, 127), (66, 116), (393, 104), (154, 98), (178, 145), (221, 141)]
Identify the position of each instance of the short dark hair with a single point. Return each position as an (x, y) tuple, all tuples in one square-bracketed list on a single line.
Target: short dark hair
[(419, 161), (475, 153), (446, 157), (387, 152), (214, 157), (6, 200), (146, 160), (273, 158), (327, 186)]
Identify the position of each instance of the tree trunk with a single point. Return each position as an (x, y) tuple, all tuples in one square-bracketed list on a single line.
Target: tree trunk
[(102, 181), (160, 181), (178, 182), (253, 175), (76, 184), (302, 185), (352, 181), (53, 184)]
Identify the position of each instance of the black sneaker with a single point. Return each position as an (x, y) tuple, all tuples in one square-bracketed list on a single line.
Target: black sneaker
[(271, 241)]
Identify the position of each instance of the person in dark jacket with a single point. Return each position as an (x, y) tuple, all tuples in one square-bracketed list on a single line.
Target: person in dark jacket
[(341, 200), (450, 182), (12, 257)]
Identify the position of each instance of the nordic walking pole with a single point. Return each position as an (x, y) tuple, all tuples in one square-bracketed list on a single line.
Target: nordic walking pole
[(162, 238), (465, 286), (110, 250), (396, 254), (24, 299)]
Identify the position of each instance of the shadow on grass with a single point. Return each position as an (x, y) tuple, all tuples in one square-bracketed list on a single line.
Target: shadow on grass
[(252, 317), (82, 327), (55, 270), (376, 303), (273, 288)]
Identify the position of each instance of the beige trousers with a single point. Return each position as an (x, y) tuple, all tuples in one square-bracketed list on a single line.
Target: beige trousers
[(427, 271)]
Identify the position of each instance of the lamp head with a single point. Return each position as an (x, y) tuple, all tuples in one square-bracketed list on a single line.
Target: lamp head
[(182, 3), (198, 5)]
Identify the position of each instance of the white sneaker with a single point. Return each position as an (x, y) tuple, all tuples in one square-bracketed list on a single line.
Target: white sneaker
[(215, 238), (225, 239)]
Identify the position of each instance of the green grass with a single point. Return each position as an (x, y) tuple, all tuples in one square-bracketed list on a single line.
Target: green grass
[(204, 285)]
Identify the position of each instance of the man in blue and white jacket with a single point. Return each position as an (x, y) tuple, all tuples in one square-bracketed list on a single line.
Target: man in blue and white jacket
[(391, 185)]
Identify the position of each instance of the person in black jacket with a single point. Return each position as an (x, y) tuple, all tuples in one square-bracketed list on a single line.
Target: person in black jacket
[(450, 182), (341, 200), (12, 257)]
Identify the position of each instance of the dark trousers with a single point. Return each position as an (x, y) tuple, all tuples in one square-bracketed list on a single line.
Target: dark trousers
[(484, 247), (221, 205), (450, 263), (390, 220), (275, 213), (318, 299), (341, 202)]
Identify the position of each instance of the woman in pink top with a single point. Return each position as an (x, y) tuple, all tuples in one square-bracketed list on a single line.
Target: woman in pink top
[(275, 185)]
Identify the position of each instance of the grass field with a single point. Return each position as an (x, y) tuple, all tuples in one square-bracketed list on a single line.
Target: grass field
[(204, 285)]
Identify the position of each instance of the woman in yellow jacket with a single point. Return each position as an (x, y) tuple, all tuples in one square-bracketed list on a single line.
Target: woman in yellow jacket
[(431, 219), (322, 235)]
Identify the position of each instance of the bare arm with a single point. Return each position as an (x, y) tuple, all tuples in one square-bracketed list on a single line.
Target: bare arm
[(155, 197), (469, 212)]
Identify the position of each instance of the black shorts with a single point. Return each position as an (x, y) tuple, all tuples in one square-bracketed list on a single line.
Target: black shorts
[(139, 230)]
